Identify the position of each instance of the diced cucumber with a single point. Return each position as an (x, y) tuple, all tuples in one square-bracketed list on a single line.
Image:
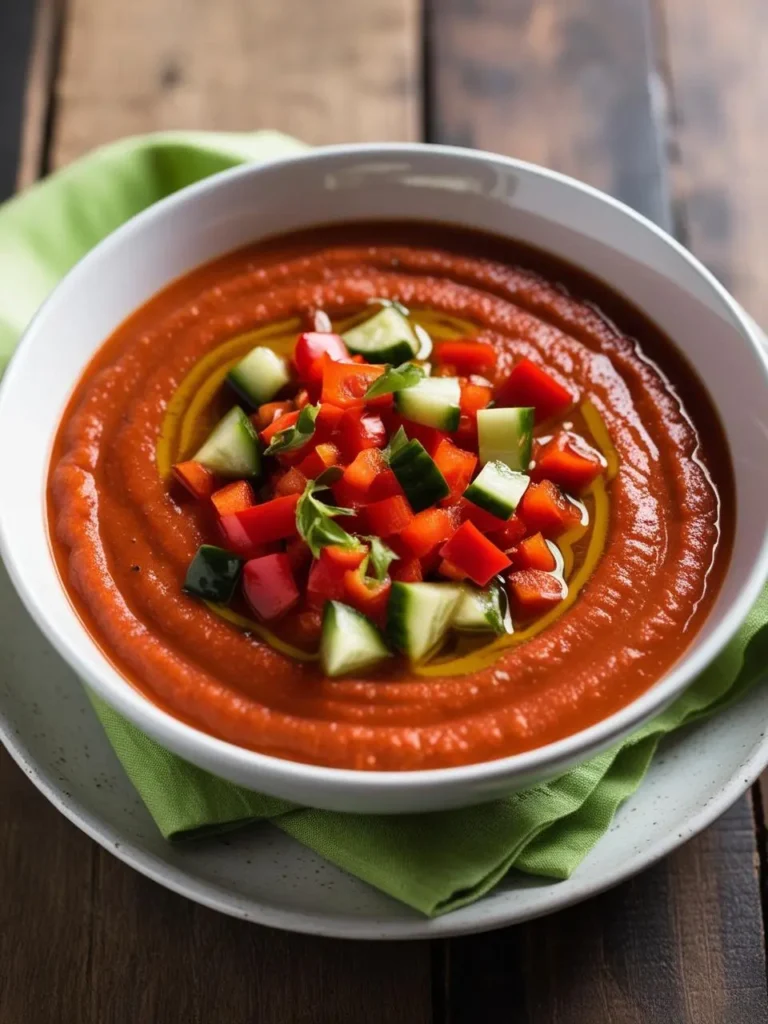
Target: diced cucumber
[(232, 448), (419, 615), (505, 435), (386, 338), (418, 475), (350, 642), (259, 376), (480, 611), (497, 489), (213, 574), (433, 402)]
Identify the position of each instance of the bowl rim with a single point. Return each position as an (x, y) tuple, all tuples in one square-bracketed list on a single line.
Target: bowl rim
[(165, 728)]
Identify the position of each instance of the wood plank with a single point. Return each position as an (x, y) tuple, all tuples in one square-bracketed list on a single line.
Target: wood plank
[(85, 938), (571, 86), (577, 87), (38, 94), (326, 71)]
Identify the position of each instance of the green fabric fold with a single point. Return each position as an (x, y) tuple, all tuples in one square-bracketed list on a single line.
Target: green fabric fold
[(432, 862)]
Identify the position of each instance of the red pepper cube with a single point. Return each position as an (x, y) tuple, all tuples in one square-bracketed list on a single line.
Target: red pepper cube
[(511, 533), (261, 524), (545, 509), (364, 469), (426, 530), (474, 397), (368, 596), (359, 431), (198, 480), (345, 384), (533, 592), (288, 419), (389, 516), (484, 521), (321, 458), (266, 414), (466, 357), (533, 553), (292, 481), (326, 576), (269, 586), (568, 461), (310, 349), (406, 570), (456, 465), (327, 424), (385, 485), (299, 555), (430, 437), (450, 571), (529, 385), (235, 497), (474, 554)]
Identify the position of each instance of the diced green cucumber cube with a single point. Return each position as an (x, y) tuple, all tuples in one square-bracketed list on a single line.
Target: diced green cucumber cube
[(350, 642), (505, 435), (232, 449), (433, 402), (259, 376), (419, 615), (497, 489), (480, 611), (387, 337), (213, 574), (418, 475)]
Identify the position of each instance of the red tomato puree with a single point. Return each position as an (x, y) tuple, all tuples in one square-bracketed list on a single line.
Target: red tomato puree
[(124, 534)]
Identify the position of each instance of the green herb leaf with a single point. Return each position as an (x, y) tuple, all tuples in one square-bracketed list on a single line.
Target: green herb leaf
[(380, 558), (296, 436), (395, 378), (395, 303), (396, 442), (314, 521)]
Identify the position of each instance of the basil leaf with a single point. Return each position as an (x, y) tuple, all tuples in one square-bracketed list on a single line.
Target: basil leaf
[(380, 558), (396, 442), (395, 303), (314, 521), (296, 436), (395, 378)]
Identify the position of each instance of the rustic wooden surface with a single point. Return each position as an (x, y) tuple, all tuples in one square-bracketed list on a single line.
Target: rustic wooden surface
[(660, 103)]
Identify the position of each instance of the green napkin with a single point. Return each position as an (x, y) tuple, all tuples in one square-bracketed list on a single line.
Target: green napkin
[(433, 862)]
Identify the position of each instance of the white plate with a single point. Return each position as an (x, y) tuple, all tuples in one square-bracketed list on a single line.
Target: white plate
[(261, 875)]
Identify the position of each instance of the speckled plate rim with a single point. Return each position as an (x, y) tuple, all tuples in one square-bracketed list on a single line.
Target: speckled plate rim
[(484, 915)]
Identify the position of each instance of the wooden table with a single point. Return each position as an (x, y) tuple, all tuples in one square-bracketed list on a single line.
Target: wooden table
[(661, 104)]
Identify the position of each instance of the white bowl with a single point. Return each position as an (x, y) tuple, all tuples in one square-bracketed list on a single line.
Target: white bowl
[(341, 183)]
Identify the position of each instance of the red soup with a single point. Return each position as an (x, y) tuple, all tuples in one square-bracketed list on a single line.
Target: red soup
[(390, 497)]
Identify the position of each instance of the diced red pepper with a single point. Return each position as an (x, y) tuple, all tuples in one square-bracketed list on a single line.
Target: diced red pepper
[(450, 571), (533, 553), (364, 469), (389, 516), (299, 555), (367, 596), (430, 562), (326, 576), (321, 458), (273, 520), (198, 480), (569, 462), (269, 412), (360, 430), (430, 437), (345, 384), (484, 521), (235, 497), (456, 465), (302, 398), (474, 397), (528, 384), (426, 530), (406, 570), (327, 424), (474, 554), (310, 349), (281, 423), (292, 481), (533, 592), (544, 508), (347, 496), (269, 586), (466, 356), (307, 625), (466, 435), (385, 485), (511, 533)]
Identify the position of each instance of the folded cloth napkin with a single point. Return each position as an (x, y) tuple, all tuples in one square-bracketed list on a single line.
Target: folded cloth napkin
[(433, 862)]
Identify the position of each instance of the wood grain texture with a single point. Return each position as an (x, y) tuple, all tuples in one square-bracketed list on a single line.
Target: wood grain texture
[(569, 85), (38, 93), (325, 70), (679, 944)]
